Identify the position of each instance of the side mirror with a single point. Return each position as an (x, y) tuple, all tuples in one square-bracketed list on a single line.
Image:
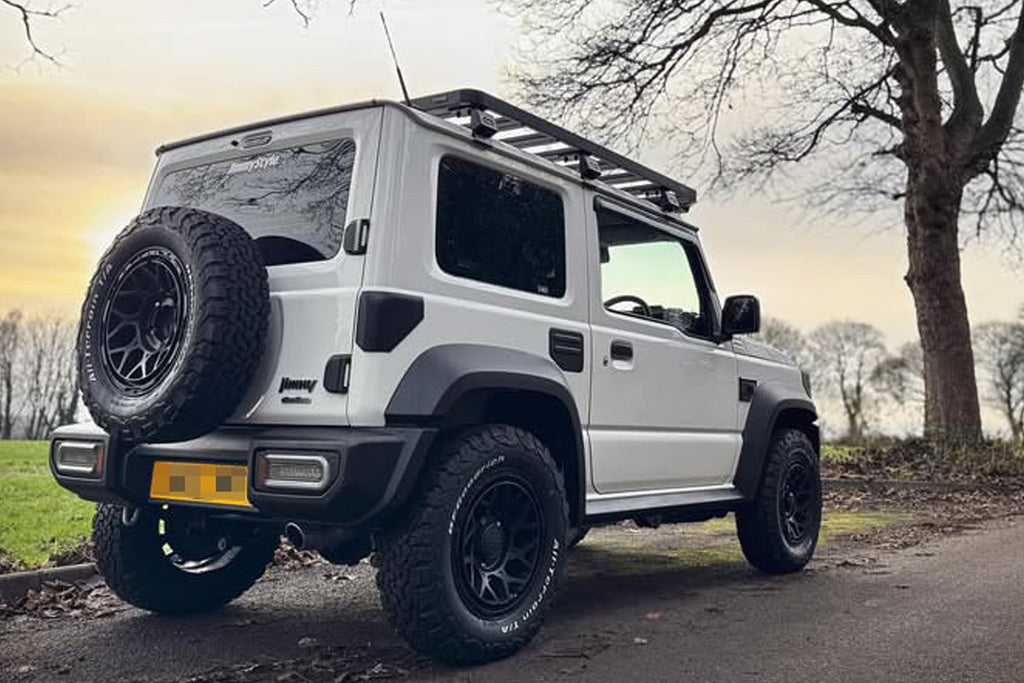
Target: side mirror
[(741, 315)]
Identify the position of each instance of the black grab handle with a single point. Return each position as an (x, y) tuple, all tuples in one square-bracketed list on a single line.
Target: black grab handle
[(622, 350)]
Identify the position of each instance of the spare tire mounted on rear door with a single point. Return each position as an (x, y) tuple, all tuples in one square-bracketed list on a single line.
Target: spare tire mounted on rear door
[(173, 326)]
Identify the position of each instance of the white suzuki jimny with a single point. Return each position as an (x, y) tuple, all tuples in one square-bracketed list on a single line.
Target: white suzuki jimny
[(447, 333)]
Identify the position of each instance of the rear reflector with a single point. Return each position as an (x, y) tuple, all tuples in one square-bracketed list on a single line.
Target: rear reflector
[(292, 471), (78, 458)]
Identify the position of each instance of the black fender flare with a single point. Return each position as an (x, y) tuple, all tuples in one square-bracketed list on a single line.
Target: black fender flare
[(769, 401), (439, 377)]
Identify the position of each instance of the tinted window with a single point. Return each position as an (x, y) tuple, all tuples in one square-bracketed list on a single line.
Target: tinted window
[(651, 274), (498, 228), (292, 201)]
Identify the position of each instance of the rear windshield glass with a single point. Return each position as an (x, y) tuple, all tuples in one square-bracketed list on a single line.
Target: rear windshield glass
[(292, 201)]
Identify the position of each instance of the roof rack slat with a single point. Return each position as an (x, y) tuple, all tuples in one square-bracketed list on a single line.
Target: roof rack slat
[(642, 189), (558, 153), (620, 171), (531, 139)]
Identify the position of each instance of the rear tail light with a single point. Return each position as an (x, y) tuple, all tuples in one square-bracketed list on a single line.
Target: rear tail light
[(310, 472), (78, 458)]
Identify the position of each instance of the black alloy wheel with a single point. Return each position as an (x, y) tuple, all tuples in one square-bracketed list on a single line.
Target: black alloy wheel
[(796, 504), (193, 543), (497, 547), (144, 320)]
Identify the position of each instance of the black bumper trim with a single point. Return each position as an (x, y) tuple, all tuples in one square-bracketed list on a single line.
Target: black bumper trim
[(373, 469)]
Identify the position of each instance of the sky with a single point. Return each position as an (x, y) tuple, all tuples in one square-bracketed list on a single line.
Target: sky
[(76, 144)]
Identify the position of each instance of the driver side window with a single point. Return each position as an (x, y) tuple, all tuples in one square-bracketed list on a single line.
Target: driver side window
[(650, 274)]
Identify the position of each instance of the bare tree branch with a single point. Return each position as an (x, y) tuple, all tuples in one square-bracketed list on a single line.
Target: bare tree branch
[(1000, 122), (28, 16), (967, 105), (858, 20), (303, 9)]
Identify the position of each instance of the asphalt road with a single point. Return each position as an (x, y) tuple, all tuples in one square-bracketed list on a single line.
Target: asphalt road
[(952, 610)]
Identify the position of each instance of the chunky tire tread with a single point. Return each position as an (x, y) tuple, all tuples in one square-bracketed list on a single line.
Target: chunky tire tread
[(409, 577), (132, 562), (757, 524), (232, 308)]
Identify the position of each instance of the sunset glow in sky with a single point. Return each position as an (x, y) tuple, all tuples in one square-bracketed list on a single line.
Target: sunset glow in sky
[(76, 144)]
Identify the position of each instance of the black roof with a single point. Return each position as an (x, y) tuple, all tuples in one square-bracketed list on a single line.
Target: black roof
[(532, 133)]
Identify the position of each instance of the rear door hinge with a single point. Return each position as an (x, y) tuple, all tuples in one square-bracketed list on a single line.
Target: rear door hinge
[(357, 235)]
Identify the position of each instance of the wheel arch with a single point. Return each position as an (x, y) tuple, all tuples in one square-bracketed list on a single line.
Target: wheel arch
[(457, 385), (772, 406)]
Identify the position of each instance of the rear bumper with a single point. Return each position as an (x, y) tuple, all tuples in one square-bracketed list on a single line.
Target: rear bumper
[(373, 469)]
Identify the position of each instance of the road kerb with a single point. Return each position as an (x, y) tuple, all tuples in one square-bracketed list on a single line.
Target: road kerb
[(18, 584)]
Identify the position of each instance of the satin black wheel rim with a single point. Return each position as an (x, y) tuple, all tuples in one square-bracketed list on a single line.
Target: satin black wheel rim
[(796, 504), (144, 320), (194, 549), (496, 553)]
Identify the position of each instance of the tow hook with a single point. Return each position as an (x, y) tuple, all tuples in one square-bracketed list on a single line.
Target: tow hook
[(129, 515)]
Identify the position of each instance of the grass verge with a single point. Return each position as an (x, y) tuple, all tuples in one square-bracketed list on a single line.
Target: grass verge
[(38, 519)]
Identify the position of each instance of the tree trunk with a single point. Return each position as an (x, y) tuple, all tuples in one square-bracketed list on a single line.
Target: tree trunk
[(952, 411), (7, 418), (853, 427)]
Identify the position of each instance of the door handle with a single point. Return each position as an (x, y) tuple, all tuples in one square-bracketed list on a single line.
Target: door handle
[(621, 350)]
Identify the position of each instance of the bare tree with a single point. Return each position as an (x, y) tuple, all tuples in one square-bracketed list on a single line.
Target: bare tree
[(901, 376), (46, 366), (10, 331), (1000, 349), (844, 356), (863, 103), (783, 336)]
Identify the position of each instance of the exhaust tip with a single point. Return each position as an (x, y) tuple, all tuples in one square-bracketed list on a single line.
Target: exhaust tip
[(293, 532)]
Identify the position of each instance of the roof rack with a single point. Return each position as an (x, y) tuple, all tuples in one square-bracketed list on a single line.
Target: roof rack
[(488, 116)]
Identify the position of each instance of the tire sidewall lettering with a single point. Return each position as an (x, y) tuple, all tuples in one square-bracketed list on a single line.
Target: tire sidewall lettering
[(493, 462), (513, 624)]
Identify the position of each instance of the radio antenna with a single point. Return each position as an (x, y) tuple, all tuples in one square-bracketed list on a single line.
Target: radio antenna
[(394, 58)]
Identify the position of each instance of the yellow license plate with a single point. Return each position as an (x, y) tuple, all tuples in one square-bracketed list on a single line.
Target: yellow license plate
[(199, 482)]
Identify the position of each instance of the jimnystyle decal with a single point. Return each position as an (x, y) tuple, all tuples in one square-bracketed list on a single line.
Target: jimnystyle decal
[(257, 164), (292, 384)]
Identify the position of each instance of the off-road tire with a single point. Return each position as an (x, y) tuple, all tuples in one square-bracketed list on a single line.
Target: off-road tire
[(221, 341), (759, 524), (416, 577), (132, 561)]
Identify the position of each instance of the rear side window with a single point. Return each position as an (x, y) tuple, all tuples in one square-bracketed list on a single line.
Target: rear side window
[(498, 228), (291, 201)]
